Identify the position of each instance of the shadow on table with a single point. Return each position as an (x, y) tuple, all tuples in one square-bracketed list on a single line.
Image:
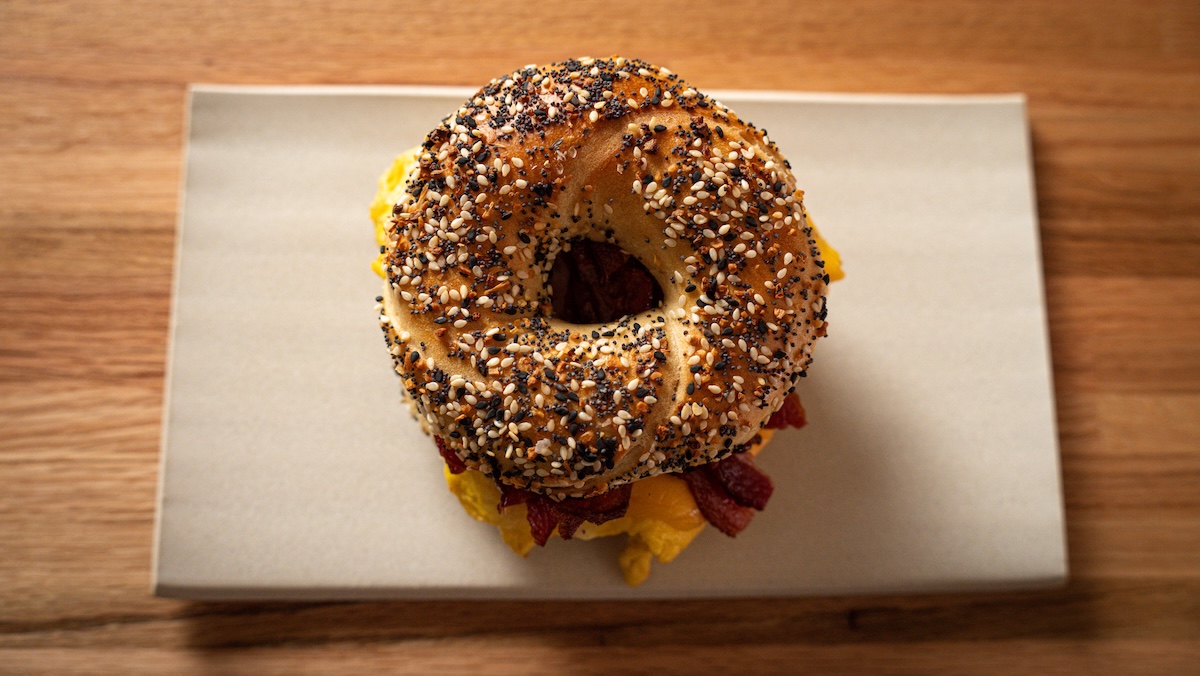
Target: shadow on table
[(1059, 614)]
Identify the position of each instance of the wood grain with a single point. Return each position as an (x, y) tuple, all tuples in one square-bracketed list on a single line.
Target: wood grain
[(91, 121)]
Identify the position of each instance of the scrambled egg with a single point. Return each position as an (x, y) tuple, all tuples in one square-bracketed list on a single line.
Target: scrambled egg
[(662, 518), (833, 259), (391, 189), (661, 521)]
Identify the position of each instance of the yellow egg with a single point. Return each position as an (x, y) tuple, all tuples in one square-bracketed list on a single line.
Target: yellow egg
[(391, 191), (481, 499), (662, 518)]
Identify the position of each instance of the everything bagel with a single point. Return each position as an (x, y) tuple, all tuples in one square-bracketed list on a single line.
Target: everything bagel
[(627, 153)]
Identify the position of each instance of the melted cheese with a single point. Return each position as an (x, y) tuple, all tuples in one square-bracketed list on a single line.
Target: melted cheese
[(662, 518)]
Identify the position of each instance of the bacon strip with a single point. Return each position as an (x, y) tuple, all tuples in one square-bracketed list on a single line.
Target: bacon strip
[(568, 524), (715, 504), (742, 480), (572, 512), (542, 518), (567, 515), (791, 414), (728, 491), (597, 282), (453, 462), (510, 496)]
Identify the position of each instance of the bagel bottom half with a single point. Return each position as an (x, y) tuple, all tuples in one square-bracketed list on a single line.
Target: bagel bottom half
[(662, 518)]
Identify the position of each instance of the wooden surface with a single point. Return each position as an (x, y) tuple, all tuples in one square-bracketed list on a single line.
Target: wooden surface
[(91, 110)]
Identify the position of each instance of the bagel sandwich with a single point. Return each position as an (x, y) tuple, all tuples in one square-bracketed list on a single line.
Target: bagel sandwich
[(601, 288)]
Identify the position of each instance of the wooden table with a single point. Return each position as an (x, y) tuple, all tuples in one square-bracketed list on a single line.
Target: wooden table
[(91, 123)]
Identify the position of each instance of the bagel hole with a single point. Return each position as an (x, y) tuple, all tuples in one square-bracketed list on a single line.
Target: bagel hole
[(598, 282)]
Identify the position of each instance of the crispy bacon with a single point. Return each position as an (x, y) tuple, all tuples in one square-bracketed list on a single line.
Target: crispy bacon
[(566, 515), (510, 495), (791, 414), (742, 480), (607, 506), (542, 518), (715, 504), (568, 524), (728, 491), (597, 282), (453, 462)]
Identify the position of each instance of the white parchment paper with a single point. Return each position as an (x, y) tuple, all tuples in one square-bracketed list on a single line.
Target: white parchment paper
[(290, 469)]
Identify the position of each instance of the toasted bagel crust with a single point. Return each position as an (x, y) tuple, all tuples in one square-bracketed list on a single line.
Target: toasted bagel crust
[(621, 151)]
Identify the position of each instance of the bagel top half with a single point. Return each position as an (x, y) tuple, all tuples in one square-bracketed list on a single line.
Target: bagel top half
[(621, 151)]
